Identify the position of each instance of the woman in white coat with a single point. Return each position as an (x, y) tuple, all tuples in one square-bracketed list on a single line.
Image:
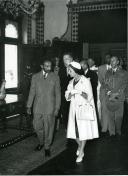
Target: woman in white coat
[(82, 122)]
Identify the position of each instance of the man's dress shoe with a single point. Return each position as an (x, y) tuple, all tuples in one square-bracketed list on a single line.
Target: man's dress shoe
[(47, 153), (38, 147)]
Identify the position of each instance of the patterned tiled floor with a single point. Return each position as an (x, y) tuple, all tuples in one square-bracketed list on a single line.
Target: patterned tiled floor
[(20, 158)]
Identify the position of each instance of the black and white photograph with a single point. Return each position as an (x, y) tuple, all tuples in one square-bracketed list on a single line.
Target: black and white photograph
[(63, 87)]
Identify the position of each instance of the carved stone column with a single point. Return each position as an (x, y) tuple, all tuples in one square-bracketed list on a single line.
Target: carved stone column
[(29, 29)]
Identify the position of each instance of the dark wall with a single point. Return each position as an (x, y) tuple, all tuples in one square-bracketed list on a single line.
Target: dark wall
[(32, 55), (76, 48), (103, 26), (98, 51)]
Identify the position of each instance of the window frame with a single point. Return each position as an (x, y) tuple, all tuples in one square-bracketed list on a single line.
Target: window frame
[(14, 41)]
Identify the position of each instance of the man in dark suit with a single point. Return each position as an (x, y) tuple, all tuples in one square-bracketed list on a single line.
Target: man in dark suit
[(64, 81), (93, 78), (46, 95)]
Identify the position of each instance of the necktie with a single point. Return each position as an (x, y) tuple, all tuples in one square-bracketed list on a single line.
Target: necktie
[(113, 72), (67, 71), (45, 75)]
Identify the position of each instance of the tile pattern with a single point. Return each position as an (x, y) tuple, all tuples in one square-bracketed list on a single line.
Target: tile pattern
[(40, 28), (29, 29)]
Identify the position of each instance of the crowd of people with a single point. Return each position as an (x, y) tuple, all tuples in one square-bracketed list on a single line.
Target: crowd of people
[(88, 99)]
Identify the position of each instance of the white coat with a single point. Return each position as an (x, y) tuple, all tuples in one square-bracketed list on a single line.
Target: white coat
[(87, 129)]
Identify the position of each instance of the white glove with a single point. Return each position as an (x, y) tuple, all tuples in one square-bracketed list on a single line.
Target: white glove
[(74, 91)]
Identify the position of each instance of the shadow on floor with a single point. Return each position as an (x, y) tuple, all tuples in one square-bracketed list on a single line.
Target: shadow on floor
[(105, 155)]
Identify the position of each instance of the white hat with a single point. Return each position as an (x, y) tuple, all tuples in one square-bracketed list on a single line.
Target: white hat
[(75, 65)]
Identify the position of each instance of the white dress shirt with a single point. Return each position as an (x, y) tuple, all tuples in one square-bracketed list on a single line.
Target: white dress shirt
[(108, 67), (45, 74)]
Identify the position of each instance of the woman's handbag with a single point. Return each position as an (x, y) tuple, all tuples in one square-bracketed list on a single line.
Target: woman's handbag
[(86, 112)]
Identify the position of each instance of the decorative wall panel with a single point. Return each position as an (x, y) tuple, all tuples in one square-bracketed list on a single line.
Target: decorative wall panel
[(40, 27), (86, 5)]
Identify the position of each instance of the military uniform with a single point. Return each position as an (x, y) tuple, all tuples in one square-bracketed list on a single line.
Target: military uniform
[(115, 88)]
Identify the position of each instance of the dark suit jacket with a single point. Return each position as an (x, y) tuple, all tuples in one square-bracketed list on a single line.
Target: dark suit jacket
[(64, 81), (94, 82), (45, 93)]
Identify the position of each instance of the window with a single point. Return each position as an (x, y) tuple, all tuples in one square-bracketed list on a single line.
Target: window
[(11, 66), (10, 37), (11, 54), (11, 29)]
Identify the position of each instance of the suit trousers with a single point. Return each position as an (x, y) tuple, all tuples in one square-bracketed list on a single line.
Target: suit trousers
[(115, 120), (44, 128), (104, 111)]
